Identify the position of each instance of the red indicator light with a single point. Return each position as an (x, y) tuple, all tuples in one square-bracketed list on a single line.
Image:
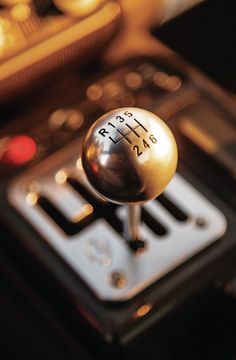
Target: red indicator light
[(18, 150)]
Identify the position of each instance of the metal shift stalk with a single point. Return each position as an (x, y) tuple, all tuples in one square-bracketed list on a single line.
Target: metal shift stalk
[(129, 156)]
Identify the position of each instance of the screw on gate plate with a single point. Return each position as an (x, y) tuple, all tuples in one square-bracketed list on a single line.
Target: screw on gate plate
[(118, 279), (201, 222)]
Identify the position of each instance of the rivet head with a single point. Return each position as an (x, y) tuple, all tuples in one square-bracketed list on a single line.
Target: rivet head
[(118, 279)]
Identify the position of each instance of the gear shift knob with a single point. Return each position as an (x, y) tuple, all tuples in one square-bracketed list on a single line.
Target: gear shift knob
[(129, 156)]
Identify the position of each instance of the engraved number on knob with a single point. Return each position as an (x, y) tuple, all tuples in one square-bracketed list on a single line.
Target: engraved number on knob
[(153, 139), (118, 117), (127, 113), (145, 145), (138, 152)]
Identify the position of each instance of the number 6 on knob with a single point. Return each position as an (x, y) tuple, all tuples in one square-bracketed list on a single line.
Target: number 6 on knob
[(129, 156)]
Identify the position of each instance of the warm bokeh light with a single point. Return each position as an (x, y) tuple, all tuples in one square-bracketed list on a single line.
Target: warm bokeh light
[(85, 211), (79, 164), (143, 310), (61, 177), (10, 3), (77, 7), (94, 92), (133, 80), (31, 198), (21, 12), (18, 150), (197, 135)]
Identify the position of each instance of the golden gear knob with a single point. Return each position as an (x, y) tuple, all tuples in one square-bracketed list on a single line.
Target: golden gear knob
[(129, 156)]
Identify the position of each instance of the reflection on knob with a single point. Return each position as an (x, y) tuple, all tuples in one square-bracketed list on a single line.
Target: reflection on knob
[(129, 157)]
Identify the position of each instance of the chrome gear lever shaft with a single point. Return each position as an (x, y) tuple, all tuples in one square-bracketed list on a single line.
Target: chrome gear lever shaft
[(129, 156)]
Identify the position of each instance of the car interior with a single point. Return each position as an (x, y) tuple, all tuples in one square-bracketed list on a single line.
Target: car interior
[(118, 179)]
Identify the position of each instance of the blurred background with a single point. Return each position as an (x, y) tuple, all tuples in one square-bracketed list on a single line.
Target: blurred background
[(52, 52)]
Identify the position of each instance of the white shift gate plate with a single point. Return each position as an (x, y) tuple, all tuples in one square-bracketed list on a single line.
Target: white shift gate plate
[(99, 254)]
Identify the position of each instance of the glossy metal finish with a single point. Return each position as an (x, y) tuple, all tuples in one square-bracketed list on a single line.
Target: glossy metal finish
[(132, 230), (129, 156)]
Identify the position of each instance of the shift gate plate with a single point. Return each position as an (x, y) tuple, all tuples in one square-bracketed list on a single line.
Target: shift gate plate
[(98, 251)]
